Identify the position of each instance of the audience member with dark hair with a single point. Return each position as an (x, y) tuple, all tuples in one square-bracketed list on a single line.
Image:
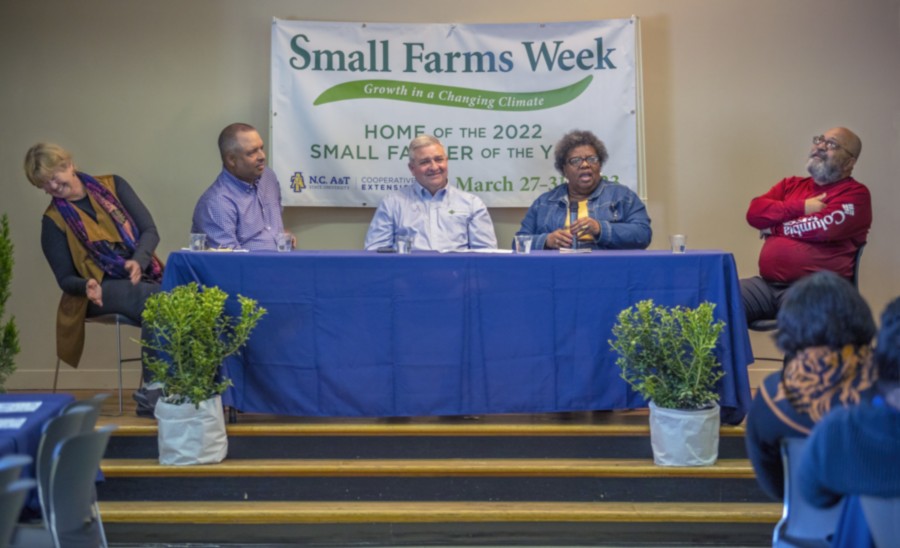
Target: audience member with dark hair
[(855, 451), (825, 328), (826, 313), (887, 353)]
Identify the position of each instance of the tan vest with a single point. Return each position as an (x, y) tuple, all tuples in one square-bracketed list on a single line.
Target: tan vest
[(73, 308)]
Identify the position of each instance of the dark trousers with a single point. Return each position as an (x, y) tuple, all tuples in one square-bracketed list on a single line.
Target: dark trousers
[(761, 299), (121, 297)]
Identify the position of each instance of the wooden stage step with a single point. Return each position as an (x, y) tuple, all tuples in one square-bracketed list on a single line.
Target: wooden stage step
[(436, 512), (394, 524), (557, 479), (492, 426), (599, 468)]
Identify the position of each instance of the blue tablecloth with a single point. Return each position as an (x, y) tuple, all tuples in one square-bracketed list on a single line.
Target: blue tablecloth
[(366, 334), (25, 439)]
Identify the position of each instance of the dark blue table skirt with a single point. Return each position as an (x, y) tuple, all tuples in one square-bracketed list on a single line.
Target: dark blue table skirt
[(25, 440), (366, 334)]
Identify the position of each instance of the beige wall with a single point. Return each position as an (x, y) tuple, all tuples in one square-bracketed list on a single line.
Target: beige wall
[(733, 92)]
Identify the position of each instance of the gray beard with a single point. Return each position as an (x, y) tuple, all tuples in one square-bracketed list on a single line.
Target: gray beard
[(822, 171)]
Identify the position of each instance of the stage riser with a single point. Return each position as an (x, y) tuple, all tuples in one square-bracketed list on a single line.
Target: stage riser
[(489, 489), (424, 447), (544, 480), (457, 534)]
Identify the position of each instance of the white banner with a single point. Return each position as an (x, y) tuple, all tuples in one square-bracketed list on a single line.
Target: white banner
[(348, 97)]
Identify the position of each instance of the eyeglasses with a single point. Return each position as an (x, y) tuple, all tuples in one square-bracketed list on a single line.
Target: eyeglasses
[(576, 161), (831, 144)]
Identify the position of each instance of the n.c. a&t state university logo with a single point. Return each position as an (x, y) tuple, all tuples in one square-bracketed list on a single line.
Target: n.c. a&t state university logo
[(297, 182)]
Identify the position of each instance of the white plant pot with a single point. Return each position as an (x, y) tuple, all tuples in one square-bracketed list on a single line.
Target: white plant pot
[(683, 437), (188, 435)]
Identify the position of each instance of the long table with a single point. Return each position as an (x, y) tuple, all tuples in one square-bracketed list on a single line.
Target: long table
[(354, 333)]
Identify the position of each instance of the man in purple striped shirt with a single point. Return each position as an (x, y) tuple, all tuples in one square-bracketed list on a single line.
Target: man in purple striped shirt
[(242, 208)]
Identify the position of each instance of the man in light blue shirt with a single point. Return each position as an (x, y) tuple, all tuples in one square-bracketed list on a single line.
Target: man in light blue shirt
[(434, 215), (242, 208)]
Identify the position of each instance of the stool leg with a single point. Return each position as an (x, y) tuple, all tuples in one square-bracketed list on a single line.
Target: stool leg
[(119, 356), (56, 376)]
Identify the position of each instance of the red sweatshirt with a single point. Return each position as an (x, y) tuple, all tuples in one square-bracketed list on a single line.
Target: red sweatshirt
[(802, 244)]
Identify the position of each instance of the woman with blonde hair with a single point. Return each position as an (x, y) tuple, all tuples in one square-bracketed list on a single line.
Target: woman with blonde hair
[(99, 240)]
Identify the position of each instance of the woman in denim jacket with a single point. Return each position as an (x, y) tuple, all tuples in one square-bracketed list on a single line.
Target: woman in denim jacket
[(600, 213)]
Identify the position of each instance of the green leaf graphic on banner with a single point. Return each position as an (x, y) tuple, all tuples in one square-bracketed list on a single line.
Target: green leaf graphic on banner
[(452, 96)]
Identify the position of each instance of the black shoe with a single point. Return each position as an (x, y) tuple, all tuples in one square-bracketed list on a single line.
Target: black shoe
[(145, 412), (146, 401)]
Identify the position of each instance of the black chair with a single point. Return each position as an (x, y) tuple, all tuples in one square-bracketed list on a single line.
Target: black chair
[(12, 498), (802, 525), (771, 324), (117, 320), (762, 326)]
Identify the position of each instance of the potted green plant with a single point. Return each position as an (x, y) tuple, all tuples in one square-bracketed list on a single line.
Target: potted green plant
[(667, 354), (9, 335), (193, 335)]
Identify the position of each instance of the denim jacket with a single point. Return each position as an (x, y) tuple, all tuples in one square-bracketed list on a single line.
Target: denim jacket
[(623, 219)]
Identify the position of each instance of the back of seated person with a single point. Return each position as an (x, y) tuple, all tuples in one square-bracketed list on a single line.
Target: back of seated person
[(825, 328), (854, 451)]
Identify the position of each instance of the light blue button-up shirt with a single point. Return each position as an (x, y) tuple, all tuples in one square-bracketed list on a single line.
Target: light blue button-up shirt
[(235, 214), (450, 220)]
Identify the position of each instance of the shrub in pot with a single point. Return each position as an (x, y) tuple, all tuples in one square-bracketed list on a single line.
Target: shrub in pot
[(193, 335), (9, 334), (667, 354)]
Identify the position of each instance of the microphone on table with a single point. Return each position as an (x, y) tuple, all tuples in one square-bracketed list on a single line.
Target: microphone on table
[(573, 216)]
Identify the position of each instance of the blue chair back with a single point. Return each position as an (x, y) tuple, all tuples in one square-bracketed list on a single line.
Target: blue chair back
[(801, 524), (72, 476), (12, 498), (94, 404), (55, 430), (11, 467), (883, 518)]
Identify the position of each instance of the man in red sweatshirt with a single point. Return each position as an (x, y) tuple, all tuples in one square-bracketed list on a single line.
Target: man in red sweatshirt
[(809, 223)]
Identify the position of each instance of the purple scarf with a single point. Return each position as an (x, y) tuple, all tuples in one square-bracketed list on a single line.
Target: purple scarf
[(102, 252)]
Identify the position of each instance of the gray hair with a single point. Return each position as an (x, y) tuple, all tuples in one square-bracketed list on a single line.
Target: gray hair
[(422, 141)]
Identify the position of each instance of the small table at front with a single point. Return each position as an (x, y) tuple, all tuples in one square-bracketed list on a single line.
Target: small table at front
[(25, 439), (354, 333)]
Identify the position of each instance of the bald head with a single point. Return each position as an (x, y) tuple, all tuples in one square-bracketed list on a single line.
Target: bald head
[(833, 155), (848, 140)]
